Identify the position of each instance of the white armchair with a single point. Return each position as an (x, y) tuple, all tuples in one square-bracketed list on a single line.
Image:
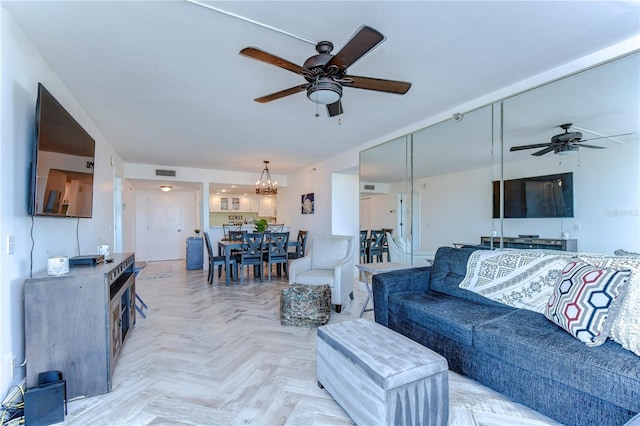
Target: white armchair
[(330, 261), (399, 252)]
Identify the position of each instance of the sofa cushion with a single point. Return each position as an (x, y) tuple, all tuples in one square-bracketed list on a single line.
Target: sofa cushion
[(444, 314), (528, 340), (585, 301), (449, 269), (626, 327)]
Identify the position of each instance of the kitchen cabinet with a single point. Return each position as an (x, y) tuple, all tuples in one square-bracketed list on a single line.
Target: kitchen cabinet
[(214, 203), (235, 204), (224, 204), (250, 204), (263, 205)]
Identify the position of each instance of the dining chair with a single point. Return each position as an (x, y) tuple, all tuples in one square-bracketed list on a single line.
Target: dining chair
[(229, 228), (364, 252), (276, 227), (251, 253), (236, 235), (275, 251), (301, 247), (216, 260), (376, 245)]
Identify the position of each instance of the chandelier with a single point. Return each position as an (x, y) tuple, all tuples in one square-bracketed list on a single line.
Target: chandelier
[(266, 187)]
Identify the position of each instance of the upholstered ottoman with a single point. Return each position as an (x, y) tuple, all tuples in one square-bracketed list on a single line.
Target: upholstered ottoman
[(381, 377), (305, 305)]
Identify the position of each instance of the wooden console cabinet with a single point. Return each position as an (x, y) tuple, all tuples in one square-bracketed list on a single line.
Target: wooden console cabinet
[(77, 323), (532, 243)]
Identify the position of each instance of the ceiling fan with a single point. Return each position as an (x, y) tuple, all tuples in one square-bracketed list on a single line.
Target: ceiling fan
[(564, 143), (326, 74)]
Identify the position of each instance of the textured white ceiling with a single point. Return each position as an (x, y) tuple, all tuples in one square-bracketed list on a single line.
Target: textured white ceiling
[(165, 83)]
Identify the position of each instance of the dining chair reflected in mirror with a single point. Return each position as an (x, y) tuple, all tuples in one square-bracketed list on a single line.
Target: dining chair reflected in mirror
[(364, 243), (376, 243), (251, 253), (218, 261), (275, 251)]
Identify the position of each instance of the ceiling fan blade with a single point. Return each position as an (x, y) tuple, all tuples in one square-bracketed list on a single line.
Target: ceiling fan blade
[(281, 94), (261, 55), (390, 86), (365, 39), (607, 137), (334, 109), (591, 146), (543, 151), (521, 147)]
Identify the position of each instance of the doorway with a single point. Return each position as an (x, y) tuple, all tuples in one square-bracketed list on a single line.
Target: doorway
[(160, 226)]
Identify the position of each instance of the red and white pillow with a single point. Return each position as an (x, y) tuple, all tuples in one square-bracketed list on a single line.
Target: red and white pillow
[(586, 300)]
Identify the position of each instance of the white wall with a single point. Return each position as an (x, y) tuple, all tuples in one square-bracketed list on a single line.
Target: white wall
[(22, 68), (382, 210), (343, 186)]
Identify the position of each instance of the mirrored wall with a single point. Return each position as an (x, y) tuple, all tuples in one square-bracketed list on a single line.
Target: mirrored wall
[(559, 162)]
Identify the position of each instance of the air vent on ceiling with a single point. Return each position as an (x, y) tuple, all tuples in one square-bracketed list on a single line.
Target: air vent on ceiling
[(369, 187), (160, 172)]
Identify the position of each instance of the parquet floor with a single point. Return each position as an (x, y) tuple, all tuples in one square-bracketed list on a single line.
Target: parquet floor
[(217, 355)]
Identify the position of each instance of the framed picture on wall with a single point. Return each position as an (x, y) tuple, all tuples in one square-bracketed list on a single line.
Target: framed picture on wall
[(308, 203)]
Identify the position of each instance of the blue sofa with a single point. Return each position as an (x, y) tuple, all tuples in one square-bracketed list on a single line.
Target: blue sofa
[(517, 352)]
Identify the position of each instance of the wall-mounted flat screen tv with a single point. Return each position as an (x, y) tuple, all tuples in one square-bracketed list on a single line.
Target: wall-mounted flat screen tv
[(535, 197), (63, 160)]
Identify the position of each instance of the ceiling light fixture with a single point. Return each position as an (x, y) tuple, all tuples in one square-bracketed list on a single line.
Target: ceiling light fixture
[(266, 187), (165, 188), (324, 91), (566, 150)]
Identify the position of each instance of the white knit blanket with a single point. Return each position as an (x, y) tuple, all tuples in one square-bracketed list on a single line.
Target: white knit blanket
[(518, 278), (525, 279)]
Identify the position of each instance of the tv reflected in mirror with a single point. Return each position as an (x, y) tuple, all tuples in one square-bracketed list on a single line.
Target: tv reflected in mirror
[(63, 161), (535, 197)]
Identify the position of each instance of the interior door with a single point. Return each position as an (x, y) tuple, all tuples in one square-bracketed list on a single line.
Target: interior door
[(164, 226)]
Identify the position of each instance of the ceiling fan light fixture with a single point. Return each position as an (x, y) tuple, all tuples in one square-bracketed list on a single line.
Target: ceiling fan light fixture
[(566, 150), (324, 91)]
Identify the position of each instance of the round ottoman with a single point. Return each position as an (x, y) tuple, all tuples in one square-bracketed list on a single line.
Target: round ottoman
[(305, 305)]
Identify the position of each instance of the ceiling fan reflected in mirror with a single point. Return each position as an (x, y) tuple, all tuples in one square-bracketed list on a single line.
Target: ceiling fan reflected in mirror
[(326, 74), (565, 143)]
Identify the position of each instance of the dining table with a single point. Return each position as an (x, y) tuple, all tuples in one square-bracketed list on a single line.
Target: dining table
[(225, 246)]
